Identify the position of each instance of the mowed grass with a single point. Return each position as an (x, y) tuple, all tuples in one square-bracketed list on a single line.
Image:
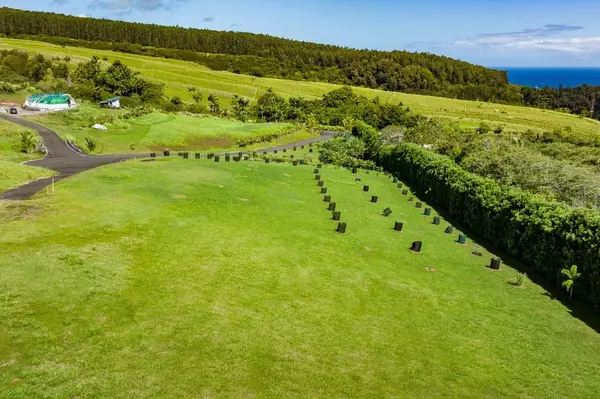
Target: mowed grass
[(12, 172), (190, 278), (179, 75), (158, 130)]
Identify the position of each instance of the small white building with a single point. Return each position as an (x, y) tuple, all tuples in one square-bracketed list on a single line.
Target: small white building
[(111, 103)]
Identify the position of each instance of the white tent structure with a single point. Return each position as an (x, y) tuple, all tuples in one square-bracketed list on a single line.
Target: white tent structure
[(49, 102)]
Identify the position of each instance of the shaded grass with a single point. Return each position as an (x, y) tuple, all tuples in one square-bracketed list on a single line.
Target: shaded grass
[(180, 278)]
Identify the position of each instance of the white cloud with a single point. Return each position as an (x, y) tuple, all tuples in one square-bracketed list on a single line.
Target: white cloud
[(575, 45), (140, 5)]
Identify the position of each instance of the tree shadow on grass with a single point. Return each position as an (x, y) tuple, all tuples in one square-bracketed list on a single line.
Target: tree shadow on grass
[(581, 311)]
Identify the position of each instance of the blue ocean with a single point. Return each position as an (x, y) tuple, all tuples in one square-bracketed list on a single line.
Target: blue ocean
[(553, 77)]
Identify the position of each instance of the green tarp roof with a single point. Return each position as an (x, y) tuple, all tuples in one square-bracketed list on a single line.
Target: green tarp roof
[(57, 98)]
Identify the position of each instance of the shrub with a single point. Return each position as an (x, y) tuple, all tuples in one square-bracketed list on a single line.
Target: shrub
[(263, 137), (170, 107), (197, 108), (519, 279), (29, 142), (91, 144), (72, 139), (345, 151), (131, 102), (570, 275)]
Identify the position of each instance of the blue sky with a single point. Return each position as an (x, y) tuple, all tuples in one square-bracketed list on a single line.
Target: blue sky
[(487, 32)]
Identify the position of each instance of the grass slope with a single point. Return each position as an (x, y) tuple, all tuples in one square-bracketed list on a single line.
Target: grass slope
[(179, 75), (12, 173), (193, 278), (159, 130)]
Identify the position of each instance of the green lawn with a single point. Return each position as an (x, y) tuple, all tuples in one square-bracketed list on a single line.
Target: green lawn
[(10, 143), (179, 75), (187, 278), (158, 130), (12, 173)]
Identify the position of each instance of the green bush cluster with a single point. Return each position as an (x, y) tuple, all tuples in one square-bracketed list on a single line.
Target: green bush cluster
[(548, 235), (105, 118), (263, 137), (346, 151)]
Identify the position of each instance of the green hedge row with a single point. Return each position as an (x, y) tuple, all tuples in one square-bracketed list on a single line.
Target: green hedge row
[(547, 235), (264, 137)]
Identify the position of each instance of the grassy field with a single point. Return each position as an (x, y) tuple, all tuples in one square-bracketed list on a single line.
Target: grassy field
[(12, 173), (186, 278), (156, 131), (179, 75)]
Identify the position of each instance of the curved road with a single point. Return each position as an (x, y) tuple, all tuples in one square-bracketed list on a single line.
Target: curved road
[(67, 162)]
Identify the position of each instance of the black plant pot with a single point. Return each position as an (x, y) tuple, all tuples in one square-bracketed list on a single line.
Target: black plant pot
[(495, 264), (416, 246)]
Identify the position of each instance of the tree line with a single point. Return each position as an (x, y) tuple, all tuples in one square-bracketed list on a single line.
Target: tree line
[(91, 80), (271, 56)]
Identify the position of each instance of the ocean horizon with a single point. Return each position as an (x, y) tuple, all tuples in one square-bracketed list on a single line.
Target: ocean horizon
[(552, 76)]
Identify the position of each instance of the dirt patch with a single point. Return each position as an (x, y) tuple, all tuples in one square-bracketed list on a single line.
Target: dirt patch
[(431, 269), (178, 196), (19, 210)]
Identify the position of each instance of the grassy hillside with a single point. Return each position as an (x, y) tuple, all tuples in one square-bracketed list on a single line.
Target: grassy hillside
[(10, 149), (155, 131), (179, 75), (181, 278)]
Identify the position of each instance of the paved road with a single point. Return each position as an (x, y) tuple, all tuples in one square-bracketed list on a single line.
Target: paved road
[(67, 162)]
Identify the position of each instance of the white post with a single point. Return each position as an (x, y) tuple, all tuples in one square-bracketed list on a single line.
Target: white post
[(53, 184)]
